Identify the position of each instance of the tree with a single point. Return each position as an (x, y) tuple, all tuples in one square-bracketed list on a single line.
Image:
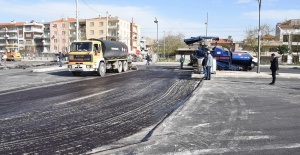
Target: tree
[(252, 34), (283, 49), (171, 42)]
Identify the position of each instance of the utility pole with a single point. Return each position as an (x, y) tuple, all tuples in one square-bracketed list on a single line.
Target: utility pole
[(77, 23), (259, 34)]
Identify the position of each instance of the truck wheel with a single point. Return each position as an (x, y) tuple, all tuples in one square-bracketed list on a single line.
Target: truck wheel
[(101, 69), (120, 68), (253, 65), (125, 66), (76, 73)]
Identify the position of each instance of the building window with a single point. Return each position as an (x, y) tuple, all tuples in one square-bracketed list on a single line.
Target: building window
[(100, 24), (64, 40), (28, 42), (100, 32), (91, 32), (91, 24), (285, 38), (63, 33), (28, 28), (296, 38), (63, 25), (55, 40), (28, 35)]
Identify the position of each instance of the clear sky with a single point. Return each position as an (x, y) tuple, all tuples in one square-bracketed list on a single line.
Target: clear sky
[(225, 17)]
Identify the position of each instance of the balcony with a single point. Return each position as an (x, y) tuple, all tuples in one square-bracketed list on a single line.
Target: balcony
[(113, 27)]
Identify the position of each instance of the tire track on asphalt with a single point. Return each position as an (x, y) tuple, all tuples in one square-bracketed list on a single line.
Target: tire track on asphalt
[(74, 130)]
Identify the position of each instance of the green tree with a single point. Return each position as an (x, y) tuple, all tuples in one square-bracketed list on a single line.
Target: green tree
[(283, 49)]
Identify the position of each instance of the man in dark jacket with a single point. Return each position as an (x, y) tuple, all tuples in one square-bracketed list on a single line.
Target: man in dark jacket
[(274, 67), (204, 62)]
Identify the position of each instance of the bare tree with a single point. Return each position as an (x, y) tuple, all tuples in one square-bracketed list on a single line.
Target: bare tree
[(251, 41), (172, 43)]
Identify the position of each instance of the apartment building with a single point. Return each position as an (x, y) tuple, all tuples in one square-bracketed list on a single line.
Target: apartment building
[(62, 33), (96, 28), (288, 32), (134, 35), (22, 36), (114, 28), (36, 39)]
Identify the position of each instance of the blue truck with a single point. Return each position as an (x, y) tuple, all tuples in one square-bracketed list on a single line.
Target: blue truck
[(226, 59)]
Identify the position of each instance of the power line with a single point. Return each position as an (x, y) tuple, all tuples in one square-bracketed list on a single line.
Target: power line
[(90, 7)]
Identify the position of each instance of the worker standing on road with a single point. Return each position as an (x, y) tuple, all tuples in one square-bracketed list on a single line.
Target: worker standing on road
[(148, 59), (274, 67), (181, 61), (209, 64), (60, 57), (204, 63), (0, 59)]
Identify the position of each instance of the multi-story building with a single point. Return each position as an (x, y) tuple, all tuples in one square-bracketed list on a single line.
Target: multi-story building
[(288, 32), (62, 33), (114, 28), (36, 39), (145, 46), (9, 36), (134, 35), (96, 28), (22, 36)]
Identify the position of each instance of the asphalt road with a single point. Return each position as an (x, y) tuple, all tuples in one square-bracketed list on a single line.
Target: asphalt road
[(56, 113), (230, 116)]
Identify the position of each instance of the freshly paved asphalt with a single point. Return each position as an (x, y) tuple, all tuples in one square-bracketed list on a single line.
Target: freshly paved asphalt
[(234, 113)]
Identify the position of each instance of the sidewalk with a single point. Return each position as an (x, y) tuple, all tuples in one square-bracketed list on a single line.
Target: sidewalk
[(245, 74), (223, 117)]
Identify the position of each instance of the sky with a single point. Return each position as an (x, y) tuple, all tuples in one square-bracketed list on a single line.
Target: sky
[(187, 17)]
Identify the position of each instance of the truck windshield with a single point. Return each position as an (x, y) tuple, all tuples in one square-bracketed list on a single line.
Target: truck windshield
[(81, 46)]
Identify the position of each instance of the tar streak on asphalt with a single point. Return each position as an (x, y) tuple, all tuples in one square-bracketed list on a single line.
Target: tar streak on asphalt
[(79, 116)]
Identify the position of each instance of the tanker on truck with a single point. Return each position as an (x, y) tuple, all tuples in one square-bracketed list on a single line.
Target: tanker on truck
[(96, 55)]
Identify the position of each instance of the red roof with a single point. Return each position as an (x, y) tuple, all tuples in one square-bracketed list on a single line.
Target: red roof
[(66, 19), (13, 24)]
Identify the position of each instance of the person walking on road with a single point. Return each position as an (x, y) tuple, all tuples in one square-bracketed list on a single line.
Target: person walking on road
[(204, 63), (4, 57), (148, 59), (209, 64), (181, 61), (0, 59), (274, 67), (60, 57)]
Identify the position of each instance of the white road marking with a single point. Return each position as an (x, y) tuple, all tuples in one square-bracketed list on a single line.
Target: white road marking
[(82, 98)]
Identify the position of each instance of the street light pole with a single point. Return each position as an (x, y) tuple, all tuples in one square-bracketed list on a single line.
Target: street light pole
[(156, 21), (259, 34), (206, 24)]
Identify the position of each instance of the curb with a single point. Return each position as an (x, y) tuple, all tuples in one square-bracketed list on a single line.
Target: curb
[(248, 75)]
